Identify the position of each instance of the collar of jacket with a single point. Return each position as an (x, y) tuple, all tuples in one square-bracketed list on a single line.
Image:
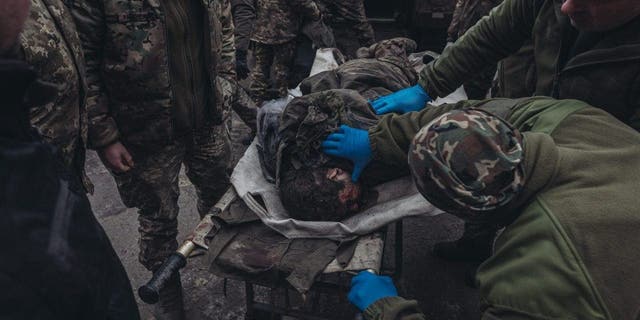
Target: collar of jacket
[(620, 44)]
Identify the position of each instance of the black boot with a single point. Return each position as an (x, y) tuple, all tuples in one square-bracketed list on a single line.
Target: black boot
[(170, 306)]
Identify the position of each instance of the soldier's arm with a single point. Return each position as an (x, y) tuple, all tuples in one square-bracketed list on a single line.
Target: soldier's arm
[(227, 65), (307, 8), (391, 137), (89, 19), (244, 13), (493, 38), (392, 308)]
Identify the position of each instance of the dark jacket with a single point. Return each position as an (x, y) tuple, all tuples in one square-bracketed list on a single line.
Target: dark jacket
[(606, 74), (57, 262), (132, 94), (570, 246)]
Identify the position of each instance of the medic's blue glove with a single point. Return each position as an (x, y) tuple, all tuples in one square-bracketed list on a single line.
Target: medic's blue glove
[(402, 101), (352, 144), (367, 288)]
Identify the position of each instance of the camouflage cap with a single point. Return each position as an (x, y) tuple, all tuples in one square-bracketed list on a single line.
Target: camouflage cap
[(467, 162)]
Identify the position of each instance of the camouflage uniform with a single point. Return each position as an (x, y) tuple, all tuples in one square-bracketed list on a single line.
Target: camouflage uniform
[(50, 44), (277, 24), (348, 20), (153, 86), (466, 14)]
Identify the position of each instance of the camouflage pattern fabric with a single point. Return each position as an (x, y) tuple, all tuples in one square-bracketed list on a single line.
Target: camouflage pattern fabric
[(382, 69), (244, 14), (348, 15), (272, 60), (466, 14), (130, 90), (468, 162), (50, 44), (279, 21), (152, 187), (306, 121)]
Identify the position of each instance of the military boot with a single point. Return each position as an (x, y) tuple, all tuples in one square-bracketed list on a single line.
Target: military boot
[(170, 306)]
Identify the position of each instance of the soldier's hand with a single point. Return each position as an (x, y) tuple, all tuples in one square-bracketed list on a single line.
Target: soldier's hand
[(116, 157), (402, 101), (352, 144)]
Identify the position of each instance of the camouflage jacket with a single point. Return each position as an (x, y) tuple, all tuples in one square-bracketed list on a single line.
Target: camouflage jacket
[(50, 44), (606, 75), (279, 21), (130, 93), (466, 14), (306, 121)]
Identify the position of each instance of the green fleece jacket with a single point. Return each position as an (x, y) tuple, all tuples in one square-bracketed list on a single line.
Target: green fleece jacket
[(571, 247), (601, 69)]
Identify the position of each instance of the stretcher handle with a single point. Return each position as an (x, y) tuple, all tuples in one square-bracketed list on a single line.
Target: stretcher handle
[(150, 292)]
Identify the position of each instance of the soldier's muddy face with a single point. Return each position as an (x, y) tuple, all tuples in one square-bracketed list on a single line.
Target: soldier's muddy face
[(600, 15), (350, 194), (13, 14)]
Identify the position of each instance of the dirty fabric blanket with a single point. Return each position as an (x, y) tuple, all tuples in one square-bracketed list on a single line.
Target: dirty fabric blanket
[(242, 247)]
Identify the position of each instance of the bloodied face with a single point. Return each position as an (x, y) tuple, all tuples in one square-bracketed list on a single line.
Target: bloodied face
[(600, 15), (320, 194)]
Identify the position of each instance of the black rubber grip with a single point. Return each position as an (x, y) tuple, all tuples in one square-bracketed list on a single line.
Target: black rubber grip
[(150, 292)]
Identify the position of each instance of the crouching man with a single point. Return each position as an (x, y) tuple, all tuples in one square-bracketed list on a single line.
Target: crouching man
[(559, 175)]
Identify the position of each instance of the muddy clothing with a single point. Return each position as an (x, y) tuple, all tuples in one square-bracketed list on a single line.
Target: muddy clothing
[(348, 15), (148, 84), (604, 70), (306, 122), (244, 15), (274, 60), (279, 21), (152, 187), (575, 245), (50, 44), (372, 78), (57, 262)]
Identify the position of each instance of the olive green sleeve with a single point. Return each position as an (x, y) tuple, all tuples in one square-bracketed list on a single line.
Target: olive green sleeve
[(90, 23), (391, 137), (393, 308), (493, 38)]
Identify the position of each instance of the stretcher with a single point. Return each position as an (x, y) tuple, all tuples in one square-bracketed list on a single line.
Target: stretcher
[(334, 278)]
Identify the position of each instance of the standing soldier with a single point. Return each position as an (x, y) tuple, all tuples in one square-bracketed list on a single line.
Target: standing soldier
[(155, 102), (50, 44), (348, 18), (244, 14), (277, 24), (465, 16)]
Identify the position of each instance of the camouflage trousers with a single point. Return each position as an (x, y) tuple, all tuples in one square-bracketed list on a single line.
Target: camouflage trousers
[(273, 60), (152, 186), (349, 22)]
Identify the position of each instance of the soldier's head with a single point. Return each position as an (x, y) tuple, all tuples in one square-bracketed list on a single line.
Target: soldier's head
[(320, 194), (468, 163), (13, 14), (395, 47), (600, 15)]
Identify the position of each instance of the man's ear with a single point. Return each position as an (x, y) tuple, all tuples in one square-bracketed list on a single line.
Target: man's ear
[(333, 173)]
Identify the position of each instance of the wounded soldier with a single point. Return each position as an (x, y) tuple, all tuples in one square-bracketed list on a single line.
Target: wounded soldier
[(312, 185)]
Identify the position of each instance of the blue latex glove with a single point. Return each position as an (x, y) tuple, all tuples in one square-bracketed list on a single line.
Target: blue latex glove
[(352, 144), (402, 101), (367, 288)]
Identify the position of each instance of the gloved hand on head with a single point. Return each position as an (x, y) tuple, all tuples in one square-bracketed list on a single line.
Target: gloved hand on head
[(352, 144), (367, 288), (402, 101)]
